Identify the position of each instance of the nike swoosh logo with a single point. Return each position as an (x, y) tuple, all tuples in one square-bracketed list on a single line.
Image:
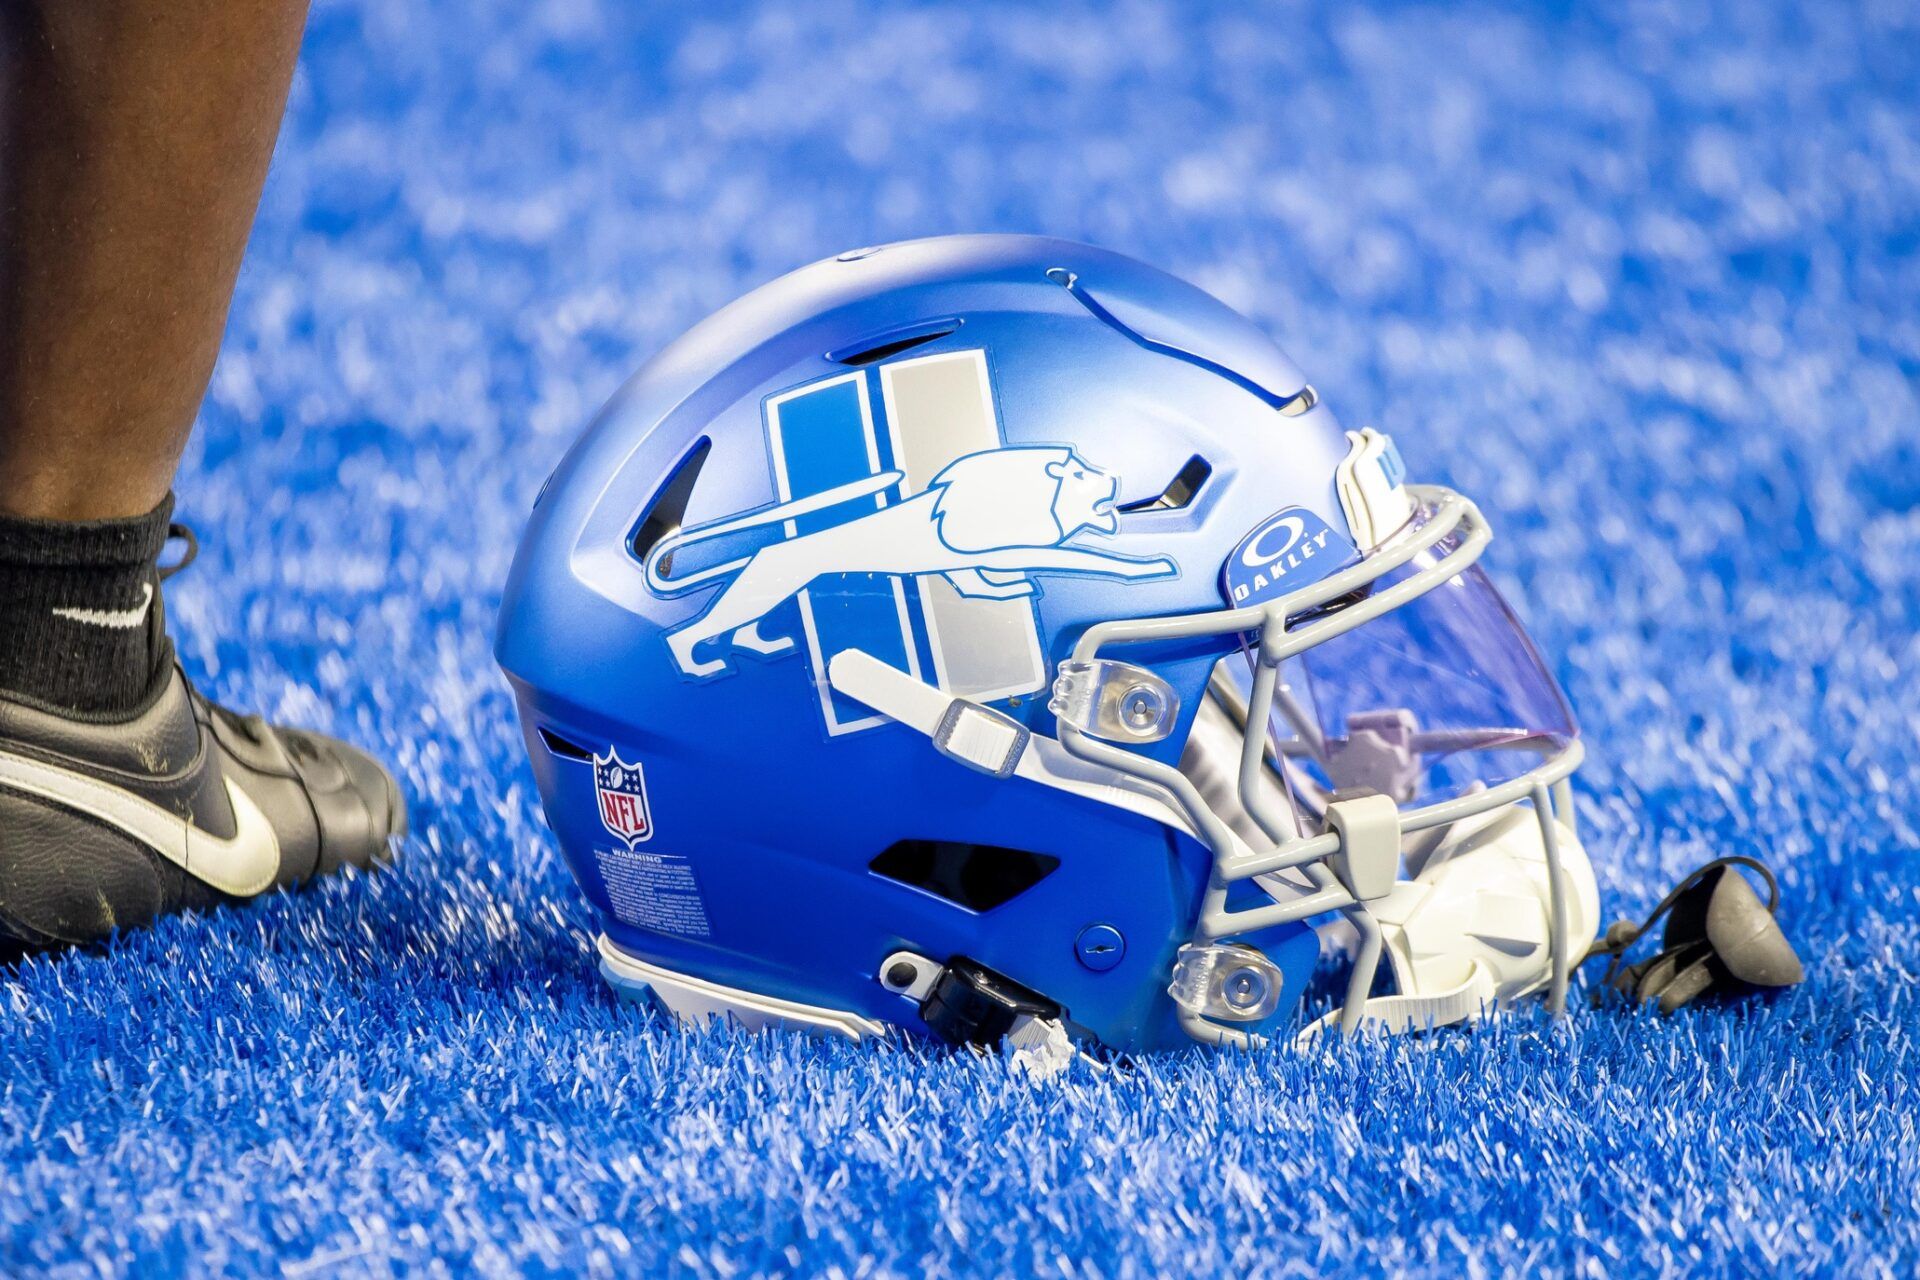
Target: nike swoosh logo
[(242, 865), (117, 619)]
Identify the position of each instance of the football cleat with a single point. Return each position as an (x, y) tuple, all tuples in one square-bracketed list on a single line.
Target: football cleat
[(997, 638), (108, 824)]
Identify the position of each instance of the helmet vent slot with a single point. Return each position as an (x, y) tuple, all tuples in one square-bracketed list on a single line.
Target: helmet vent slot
[(669, 507), (1180, 491), (978, 877), (891, 343), (562, 747)]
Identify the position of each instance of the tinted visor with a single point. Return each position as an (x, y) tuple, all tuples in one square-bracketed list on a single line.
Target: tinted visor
[(1439, 698)]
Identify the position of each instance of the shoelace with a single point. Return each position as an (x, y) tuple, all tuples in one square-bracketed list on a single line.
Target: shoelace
[(178, 532), (252, 727)]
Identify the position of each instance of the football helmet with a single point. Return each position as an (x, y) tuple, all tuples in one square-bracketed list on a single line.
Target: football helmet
[(998, 637)]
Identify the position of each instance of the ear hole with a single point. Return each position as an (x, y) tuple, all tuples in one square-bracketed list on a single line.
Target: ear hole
[(891, 343), (669, 507), (1180, 491), (563, 748), (978, 877)]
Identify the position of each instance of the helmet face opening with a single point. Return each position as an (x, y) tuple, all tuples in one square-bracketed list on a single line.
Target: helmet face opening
[(1439, 699)]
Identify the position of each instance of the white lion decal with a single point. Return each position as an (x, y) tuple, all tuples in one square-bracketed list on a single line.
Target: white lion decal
[(984, 523)]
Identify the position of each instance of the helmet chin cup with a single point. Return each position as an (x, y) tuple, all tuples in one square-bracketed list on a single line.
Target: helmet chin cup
[(1476, 929), (1486, 898)]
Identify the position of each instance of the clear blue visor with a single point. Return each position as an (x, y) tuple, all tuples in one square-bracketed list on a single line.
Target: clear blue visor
[(1439, 698)]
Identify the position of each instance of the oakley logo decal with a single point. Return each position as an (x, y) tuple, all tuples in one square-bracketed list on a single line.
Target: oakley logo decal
[(1288, 550), (1277, 540)]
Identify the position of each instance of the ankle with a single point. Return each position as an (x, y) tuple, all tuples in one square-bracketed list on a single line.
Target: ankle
[(61, 497)]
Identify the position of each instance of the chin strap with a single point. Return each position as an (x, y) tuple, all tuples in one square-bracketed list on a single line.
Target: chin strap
[(1473, 998), (1719, 938), (990, 742)]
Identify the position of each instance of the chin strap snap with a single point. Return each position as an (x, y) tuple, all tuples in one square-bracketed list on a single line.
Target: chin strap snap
[(968, 1004), (1720, 938)]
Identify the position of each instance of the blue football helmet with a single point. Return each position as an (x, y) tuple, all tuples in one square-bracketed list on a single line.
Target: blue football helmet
[(997, 637)]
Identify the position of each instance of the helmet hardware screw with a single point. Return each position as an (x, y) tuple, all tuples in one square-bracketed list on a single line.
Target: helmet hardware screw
[(1244, 988), (1100, 947), (901, 974), (1141, 708)]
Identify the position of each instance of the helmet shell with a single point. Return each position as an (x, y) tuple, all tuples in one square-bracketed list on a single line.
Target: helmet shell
[(762, 821)]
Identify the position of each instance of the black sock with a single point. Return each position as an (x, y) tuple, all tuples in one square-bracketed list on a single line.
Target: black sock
[(79, 625)]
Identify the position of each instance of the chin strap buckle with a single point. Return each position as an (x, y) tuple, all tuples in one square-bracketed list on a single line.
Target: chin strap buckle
[(980, 738)]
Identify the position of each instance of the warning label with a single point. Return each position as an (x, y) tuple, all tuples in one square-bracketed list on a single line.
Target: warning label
[(654, 891)]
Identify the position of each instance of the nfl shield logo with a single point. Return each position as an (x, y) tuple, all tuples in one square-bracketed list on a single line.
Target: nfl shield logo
[(622, 789)]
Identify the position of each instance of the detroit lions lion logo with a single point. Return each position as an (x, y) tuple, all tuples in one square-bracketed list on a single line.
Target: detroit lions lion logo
[(985, 524)]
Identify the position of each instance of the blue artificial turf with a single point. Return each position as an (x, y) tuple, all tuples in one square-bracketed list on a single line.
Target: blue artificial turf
[(1642, 280)]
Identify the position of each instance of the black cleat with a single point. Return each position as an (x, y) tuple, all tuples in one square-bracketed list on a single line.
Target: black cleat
[(106, 825), (112, 822)]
